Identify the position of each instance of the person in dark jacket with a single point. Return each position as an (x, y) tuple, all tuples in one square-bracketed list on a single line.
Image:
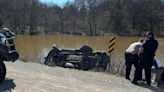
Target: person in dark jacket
[(146, 54)]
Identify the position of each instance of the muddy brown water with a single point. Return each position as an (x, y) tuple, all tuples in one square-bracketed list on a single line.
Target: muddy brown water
[(42, 44)]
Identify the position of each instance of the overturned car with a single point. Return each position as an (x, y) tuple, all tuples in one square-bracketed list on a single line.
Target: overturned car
[(83, 58)]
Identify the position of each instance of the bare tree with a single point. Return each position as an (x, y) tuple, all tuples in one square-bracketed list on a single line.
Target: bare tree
[(93, 10)]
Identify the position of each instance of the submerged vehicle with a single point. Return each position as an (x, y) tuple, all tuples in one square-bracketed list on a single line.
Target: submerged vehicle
[(7, 53), (83, 58)]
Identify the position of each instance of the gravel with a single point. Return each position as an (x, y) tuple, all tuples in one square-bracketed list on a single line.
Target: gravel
[(34, 77)]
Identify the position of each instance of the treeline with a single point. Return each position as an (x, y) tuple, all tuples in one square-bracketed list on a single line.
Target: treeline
[(88, 17)]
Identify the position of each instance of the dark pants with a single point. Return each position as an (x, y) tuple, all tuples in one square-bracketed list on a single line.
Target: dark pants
[(146, 64), (130, 59)]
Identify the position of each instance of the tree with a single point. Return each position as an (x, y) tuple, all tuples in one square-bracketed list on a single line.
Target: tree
[(92, 15), (82, 14)]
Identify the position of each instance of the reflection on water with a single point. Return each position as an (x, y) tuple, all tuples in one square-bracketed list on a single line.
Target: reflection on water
[(36, 45)]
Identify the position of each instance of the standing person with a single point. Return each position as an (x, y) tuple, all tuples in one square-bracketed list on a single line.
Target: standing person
[(156, 69), (146, 55), (131, 56)]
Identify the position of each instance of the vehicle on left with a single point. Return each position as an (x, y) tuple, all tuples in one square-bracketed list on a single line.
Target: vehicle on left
[(7, 53)]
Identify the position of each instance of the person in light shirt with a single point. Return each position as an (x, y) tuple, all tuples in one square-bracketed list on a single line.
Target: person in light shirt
[(131, 57), (156, 69)]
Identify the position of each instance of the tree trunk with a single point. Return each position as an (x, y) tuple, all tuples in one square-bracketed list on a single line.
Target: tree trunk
[(141, 27), (74, 25)]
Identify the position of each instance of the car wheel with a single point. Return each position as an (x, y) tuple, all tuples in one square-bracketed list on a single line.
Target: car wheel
[(2, 71), (86, 49)]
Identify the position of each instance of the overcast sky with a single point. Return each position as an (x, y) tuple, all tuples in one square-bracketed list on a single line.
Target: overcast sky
[(56, 1)]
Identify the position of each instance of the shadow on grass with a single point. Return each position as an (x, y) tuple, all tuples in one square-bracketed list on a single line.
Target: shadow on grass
[(7, 85)]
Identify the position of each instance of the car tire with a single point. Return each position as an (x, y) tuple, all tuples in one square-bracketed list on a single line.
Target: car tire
[(2, 71), (86, 49)]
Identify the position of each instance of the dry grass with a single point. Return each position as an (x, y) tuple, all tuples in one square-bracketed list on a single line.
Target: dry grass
[(27, 58), (38, 58), (117, 65)]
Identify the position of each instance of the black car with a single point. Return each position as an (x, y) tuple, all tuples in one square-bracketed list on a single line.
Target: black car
[(83, 58)]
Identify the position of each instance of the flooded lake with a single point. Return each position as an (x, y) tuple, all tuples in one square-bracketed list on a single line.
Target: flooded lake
[(37, 44)]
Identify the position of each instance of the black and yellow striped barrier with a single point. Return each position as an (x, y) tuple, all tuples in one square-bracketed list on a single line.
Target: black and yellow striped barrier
[(111, 45)]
